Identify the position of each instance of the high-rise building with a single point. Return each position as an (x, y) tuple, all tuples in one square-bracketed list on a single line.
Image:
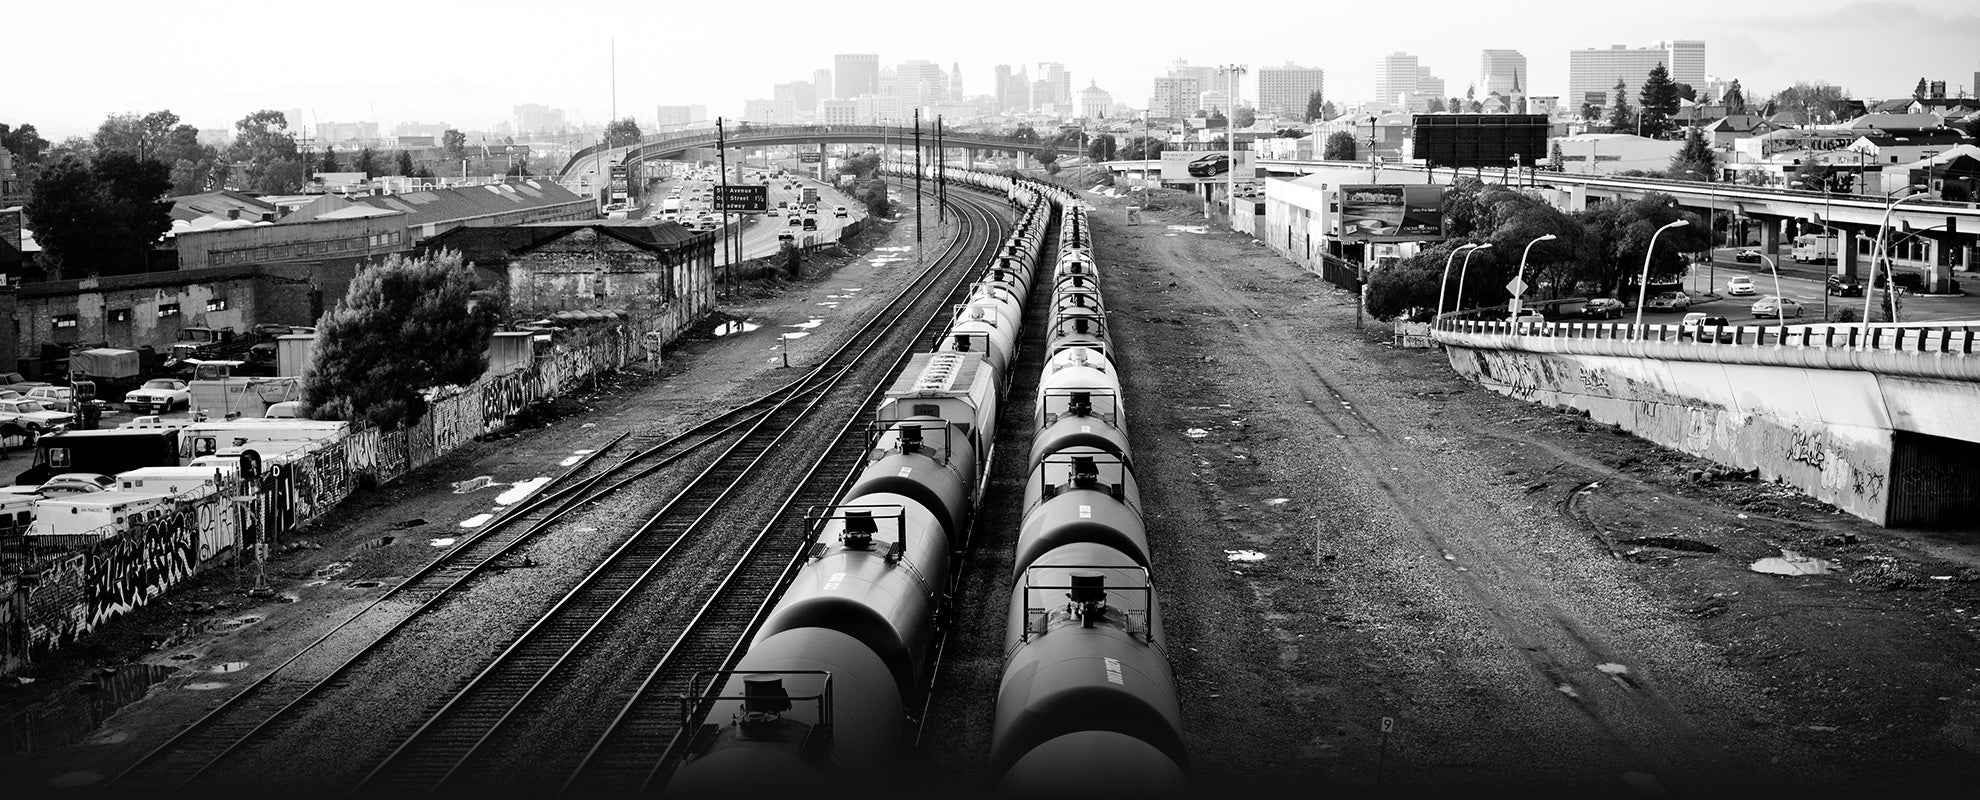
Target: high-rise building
[(1592, 73), (920, 83), (1003, 90), (821, 82), (1284, 90), (1175, 97), (1215, 102), (1428, 86), (955, 82), (1094, 101), (838, 112), (534, 118), (1687, 60), (801, 95), (1395, 75), (675, 116), (1502, 71), (1058, 82), (887, 83), (855, 74)]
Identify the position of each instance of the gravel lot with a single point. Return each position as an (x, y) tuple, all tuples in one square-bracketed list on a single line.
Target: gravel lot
[(1344, 533)]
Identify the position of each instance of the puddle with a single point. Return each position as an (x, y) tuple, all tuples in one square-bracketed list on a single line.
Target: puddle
[(569, 461), (382, 541), (807, 325), (1672, 543), (474, 484), (830, 304), (1612, 669), (1196, 433), (71, 714), (206, 686), (1243, 555), (1189, 229), (1278, 501), (477, 520), (445, 541), (519, 490), (1790, 562), (797, 334), (231, 666), (735, 326), (332, 569), (411, 523), (365, 584)]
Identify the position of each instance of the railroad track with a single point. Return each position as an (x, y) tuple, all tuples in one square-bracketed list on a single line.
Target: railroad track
[(259, 710)]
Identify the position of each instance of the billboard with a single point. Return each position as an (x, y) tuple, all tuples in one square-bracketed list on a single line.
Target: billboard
[(1392, 213), (1480, 140), (1205, 166)]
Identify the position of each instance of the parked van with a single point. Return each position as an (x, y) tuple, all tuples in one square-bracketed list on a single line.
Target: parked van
[(81, 519), (210, 488), (103, 451), (207, 438)]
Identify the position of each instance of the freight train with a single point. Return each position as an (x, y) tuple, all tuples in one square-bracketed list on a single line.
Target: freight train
[(818, 702)]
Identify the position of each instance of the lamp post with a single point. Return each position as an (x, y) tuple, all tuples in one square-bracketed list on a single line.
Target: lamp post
[(1371, 148), (1463, 269), (1779, 298), (1883, 241), (1643, 281), (1441, 286), (1519, 278), (1231, 72)]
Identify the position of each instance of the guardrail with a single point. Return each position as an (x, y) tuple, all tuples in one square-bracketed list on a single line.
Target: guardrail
[(1932, 351)]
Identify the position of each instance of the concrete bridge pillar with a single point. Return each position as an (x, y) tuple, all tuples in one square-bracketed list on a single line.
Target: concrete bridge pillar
[(1770, 235), (969, 158), (1023, 160)]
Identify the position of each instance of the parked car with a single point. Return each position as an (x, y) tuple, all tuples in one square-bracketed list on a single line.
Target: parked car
[(1701, 327), (1669, 301), (1740, 287), (75, 483), (30, 415), (1213, 164), (54, 398), (1777, 307), (158, 395), (1603, 308), (1747, 256), (1844, 286)]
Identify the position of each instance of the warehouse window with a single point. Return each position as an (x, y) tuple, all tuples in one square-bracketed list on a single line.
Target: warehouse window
[(64, 321), (120, 315), (217, 304), (168, 310)]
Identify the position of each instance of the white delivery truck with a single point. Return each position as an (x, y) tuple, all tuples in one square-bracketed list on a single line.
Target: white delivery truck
[(89, 517)]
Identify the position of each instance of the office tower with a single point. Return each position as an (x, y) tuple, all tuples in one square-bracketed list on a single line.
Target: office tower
[(1058, 82), (920, 83), (1501, 71), (533, 118), (1686, 60), (855, 74), (821, 81), (1284, 90), (674, 116), (1175, 97), (1395, 75), (1592, 73), (1003, 90), (800, 95), (1427, 86)]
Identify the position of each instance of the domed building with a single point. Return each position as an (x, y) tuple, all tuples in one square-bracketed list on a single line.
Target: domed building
[(1094, 101)]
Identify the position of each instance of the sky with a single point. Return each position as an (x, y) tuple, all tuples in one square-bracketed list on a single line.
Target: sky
[(74, 63)]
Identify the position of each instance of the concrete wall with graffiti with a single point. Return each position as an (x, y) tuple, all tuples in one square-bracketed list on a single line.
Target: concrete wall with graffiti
[(56, 599), (1827, 432)]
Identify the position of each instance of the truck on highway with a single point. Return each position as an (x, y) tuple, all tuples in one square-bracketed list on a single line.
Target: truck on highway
[(670, 209), (811, 195), (1815, 248)]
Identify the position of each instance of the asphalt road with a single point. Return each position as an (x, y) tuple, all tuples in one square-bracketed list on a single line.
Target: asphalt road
[(1802, 282)]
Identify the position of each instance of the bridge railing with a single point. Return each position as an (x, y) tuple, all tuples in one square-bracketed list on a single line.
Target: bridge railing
[(755, 132)]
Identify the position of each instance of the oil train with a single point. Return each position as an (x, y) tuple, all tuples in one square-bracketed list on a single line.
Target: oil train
[(819, 701)]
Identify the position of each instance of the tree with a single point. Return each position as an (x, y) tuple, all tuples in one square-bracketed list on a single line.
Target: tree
[(1339, 147), (1809, 103), (1024, 133), (101, 218), (793, 258), (1437, 105), (1215, 120), (1695, 157), (262, 142), (1686, 91), (1556, 160), (1618, 235), (1659, 102), (624, 133), (367, 162), (1327, 111), (1102, 148), (1141, 148), (24, 142), (1815, 176), (329, 162), (1316, 107), (404, 163), (1919, 93), (454, 144), (1620, 118), (1454, 105), (1244, 116), (1735, 101), (872, 194), (404, 326), (1589, 111)]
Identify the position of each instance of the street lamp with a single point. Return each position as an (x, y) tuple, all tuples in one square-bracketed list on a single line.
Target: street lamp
[(1883, 241), (1643, 282), (1463, 269), (1780, 298), (1447, 275), (1519, 278)]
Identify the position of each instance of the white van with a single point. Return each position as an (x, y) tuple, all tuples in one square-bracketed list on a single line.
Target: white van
[(93, 516)]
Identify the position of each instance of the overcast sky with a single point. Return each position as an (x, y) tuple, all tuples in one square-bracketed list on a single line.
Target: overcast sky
[(72, 63)]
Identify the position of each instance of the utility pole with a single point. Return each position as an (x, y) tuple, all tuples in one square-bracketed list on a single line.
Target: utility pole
[(917, 176), (941, 178), (722, 179)]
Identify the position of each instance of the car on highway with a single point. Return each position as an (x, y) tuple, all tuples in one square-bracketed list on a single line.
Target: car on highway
[(1702, 327), (1747, 256), (1740, 287), (1844, 286), (1603, 308), (1776, 307), (75, 483), (159, 394), (796, 219), (1669, 301), (840, 211)]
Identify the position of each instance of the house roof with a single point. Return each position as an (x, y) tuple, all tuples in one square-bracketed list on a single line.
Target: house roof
[(1896, 122), (1739, 123), (1916, 138), (468, 202), (193, 206), (1957, 152), (500, 243), (1898, 105)]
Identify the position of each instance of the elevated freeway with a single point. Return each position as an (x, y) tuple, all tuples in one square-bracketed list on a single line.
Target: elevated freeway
[(672, 145)]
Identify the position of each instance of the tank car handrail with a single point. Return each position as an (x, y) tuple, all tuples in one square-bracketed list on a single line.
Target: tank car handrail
[(815, 520), (879, 428), (1146, 590), (690, 701)]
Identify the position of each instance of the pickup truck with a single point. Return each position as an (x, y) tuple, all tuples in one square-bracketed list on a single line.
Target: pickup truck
[(31, 415)]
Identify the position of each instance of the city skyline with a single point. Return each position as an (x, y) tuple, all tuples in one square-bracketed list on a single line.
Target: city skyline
[(471, 78)]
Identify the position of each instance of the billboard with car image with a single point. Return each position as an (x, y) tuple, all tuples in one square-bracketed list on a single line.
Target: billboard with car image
[(1391, 213), (1205, 166)]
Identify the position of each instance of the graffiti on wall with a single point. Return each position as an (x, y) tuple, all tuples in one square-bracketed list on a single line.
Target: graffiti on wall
[(128, 569)]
